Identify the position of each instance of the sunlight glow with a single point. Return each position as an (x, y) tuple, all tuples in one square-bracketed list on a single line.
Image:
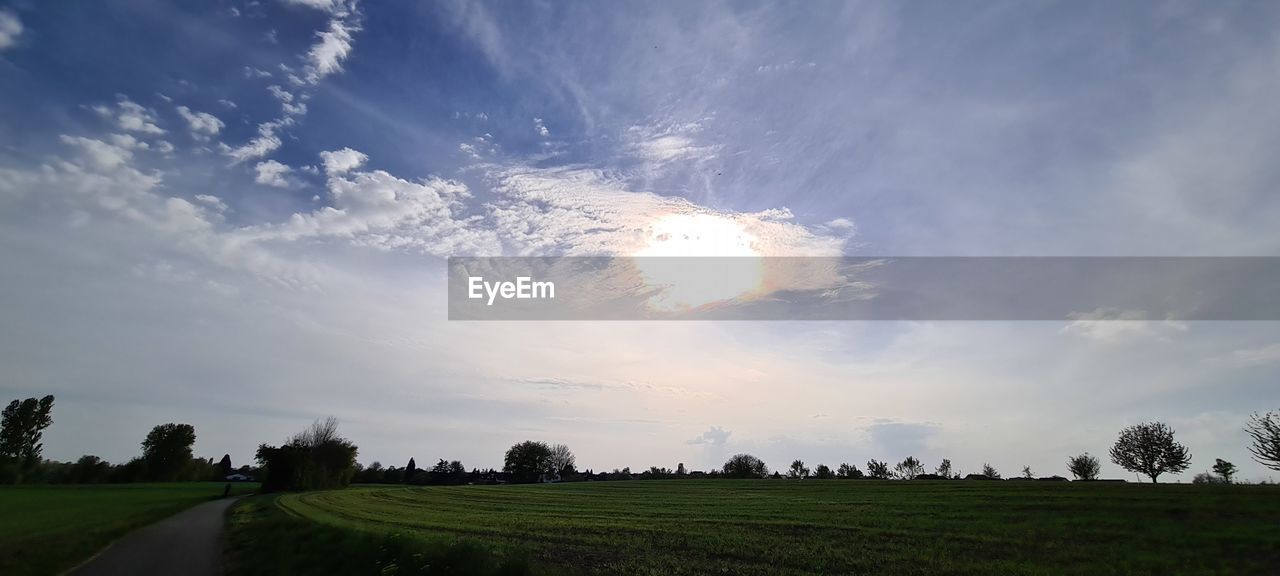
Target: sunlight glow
[(734, 273)]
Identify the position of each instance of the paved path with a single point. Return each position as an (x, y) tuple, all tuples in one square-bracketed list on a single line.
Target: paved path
[(186, 543)]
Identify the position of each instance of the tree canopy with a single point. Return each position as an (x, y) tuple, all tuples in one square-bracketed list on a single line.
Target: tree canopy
[(1149, 448)]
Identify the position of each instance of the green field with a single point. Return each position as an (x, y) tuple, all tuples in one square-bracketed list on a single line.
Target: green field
[(834, 527), (47, 529)]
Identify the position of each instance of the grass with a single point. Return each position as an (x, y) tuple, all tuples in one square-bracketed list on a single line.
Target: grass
[(834, 527), (48, 529)]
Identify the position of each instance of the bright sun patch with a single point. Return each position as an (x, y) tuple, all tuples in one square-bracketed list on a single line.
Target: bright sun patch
[(735, 270)]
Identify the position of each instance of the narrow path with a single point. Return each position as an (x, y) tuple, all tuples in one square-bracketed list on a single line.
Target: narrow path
[(185, 543)]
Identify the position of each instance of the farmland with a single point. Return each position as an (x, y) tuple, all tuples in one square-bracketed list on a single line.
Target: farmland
[(47, 529), (832, 527)]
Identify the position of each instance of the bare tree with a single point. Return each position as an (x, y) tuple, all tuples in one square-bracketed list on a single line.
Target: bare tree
[(562, 460), (1084, 467), (798, 470), (1265, 432), (1149, 448), (908, 469), (944, 469)]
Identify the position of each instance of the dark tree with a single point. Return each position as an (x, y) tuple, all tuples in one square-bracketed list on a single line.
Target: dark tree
[(798, 470), (908, 469), (823, 472), (224, 466), (745, 466), (528, 461), (1224, 469), (681, 470), (90, 470), (1264, 430), (1084, 467), (1149, 448), (877, 469), (848, 471), (315, 459), (22, 425), (562, 460), (990, 471), (944, 469), (1027, 473), (410, 471), (167, 451)]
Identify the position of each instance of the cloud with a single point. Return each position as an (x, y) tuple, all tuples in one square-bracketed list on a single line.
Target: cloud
[(337, 162), (131, 116), (1254, 357), (1115, 325), (540, 128), (715, 436), (272, 173), (10, 29), (202, 124), (266, 142), (333, 46)]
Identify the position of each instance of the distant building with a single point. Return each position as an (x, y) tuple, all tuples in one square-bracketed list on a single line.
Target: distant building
[(238, 477)]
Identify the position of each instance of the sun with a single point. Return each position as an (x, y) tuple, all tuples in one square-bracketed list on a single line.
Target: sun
[(729, 266)]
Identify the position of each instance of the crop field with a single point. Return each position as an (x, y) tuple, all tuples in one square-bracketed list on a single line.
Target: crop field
[(47, 529), (835, 527)]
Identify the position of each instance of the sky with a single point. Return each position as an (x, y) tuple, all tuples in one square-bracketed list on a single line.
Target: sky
[(236, 215)]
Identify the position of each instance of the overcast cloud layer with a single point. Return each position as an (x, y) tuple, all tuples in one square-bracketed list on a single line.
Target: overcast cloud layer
[(235, 215)]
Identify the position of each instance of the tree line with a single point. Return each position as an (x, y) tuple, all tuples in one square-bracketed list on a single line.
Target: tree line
[(320, 458)]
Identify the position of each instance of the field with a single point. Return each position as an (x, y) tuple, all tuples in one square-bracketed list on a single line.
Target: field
[(833, 527), (47, 529)]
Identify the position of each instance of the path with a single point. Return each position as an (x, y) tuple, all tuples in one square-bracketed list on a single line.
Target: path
[(185, 543)]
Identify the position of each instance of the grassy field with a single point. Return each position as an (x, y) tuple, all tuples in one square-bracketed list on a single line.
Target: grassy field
[(835, 527), (47, 529)]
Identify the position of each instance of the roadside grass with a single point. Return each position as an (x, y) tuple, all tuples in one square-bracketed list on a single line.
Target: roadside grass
[(46, 529), (835, 527), (264, 539)]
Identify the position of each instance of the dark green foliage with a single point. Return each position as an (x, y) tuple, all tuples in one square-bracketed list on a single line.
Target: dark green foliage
[(1224, 469), (167, 451), (908, 469), (1149, 448), (528, 461), (798, 470), (823, 472), (877, 470), (22, 425), (745, 466), (263, 540), (316, 459), (410, 471), (224, 467), (1084, 467), (849, 471)]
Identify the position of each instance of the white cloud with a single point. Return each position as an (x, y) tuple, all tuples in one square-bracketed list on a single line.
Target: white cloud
[(1114, 325), (339, 162), (715, 436), (540, 128), (10, 29), (251, 72), (227, 103), (272, 173), (202, 124), (131, 116), (1253, 357), (100, 155), (334, 46), (266, 142)]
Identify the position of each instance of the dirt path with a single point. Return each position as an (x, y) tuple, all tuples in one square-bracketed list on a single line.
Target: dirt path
[(186, 543)]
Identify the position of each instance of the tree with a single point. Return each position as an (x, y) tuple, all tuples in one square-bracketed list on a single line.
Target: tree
[(745, 466), (528, 461), (22, 425), (1265, 432), (89, 469), (908, 469), (1149, 448), (410, 470), (877, 469), (944, 469), (681, 470), (562, 460), (224, 467), (990, 471), (1027, 473), (798, 470), (823, 472), (317, 458), (848, 471), (1084, 467), (1224, 469), (167, 450)]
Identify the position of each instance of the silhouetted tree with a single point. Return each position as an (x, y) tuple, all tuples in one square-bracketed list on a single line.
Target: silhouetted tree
[(410, 470), (315, 459), (1149, 448), (1027, 473), (562, 460), (1084, 467), (908, 469), (990, 471), (528, 461), (90, 469), (167, 450), (1224, 469), (823, 472), (798, 470), (877, 469), (944, 469), (224, 466), (745, 466), (681, 470), (1264, 430), (848, 471), (22, 425)]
